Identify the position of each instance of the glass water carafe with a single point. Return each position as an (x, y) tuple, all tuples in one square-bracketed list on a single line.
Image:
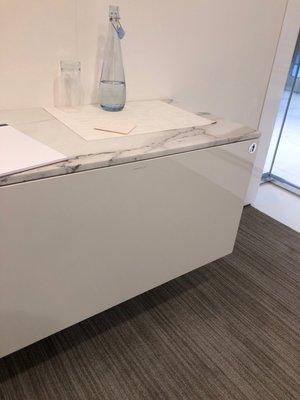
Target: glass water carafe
[(67, 86), (112, 84)]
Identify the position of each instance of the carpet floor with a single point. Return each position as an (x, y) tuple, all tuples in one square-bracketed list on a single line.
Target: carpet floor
[(229, 330)]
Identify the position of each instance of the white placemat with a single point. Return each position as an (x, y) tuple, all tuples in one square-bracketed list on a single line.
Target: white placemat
[(146, 116)]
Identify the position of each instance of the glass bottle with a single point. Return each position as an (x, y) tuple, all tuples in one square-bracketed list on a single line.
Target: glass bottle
[(67, 86), (112, 84)]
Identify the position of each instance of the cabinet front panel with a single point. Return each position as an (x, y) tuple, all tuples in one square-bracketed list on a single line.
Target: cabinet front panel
[(75, 245)]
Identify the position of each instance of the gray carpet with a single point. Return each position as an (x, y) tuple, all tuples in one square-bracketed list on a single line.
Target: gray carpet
[(228, 330)]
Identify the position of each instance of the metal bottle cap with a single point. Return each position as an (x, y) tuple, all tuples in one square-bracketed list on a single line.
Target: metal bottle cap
[(114, 12)]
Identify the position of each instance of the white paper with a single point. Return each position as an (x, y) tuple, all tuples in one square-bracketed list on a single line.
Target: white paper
[(19, 152), (148, 116)]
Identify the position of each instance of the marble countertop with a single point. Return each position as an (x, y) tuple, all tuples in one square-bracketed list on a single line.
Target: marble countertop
[(86, 155)]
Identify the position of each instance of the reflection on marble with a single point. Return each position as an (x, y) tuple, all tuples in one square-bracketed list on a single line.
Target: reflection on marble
[(84, 156)]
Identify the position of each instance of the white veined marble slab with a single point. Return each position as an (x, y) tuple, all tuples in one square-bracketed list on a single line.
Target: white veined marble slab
[(141, 116), (84, 155)]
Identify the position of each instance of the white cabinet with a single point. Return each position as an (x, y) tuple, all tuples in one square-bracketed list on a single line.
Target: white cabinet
[(77, 244)]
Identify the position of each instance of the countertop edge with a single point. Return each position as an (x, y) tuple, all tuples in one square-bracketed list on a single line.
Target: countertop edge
[(108, 159)]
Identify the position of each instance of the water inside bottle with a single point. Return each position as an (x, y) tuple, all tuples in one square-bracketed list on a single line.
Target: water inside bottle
[(113, 95)]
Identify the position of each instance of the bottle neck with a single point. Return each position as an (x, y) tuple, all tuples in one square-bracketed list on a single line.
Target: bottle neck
[(113, 26)]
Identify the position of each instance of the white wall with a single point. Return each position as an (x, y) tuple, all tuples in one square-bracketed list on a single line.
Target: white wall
[(216, 55), (34, 36)]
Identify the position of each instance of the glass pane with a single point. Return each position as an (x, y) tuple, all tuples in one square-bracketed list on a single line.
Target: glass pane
[(283, 161), (277, 128), (287, 160)]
